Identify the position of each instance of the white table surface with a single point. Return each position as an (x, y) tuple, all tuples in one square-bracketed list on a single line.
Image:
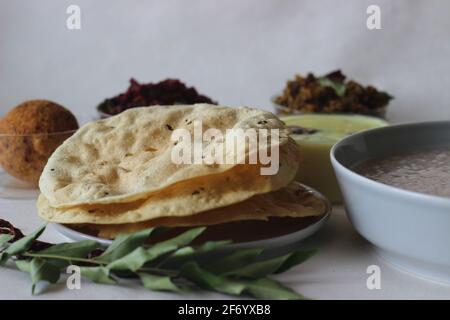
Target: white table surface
[(240, 53), (338, 271)]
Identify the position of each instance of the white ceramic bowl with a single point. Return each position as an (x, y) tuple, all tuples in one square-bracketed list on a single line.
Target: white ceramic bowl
[(411, 230)]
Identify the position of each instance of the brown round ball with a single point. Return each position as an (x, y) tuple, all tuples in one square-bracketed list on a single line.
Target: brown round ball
[(29, 134), (38, 116)]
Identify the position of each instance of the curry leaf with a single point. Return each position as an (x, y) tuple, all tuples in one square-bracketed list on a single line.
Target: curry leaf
[(193, 252), (97, 274), (213, 245), (63, 252), (258, 269), (235, 260), (24, 265), (20, 245), (25, 243), (158, 283), (124, 244), (183, 252), (172, 265), (270, 289), (41, 270), (4, 238), (137, 258), (295, 259), (185, 238), (262, 268), (72, 249), (207, 280), (261, 288)]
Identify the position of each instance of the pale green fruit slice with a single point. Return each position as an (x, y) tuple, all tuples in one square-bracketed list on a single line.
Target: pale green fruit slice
[(321, 132)]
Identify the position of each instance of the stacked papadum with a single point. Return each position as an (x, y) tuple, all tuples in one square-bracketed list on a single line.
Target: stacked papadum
[(117, 175)]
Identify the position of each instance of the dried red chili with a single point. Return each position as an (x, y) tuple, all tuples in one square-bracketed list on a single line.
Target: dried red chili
[(167, 92)]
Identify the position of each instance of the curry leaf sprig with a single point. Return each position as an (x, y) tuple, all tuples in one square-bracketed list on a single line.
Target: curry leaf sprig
[(173, 265)]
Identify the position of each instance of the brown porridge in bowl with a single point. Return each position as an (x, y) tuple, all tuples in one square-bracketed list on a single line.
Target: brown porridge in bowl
[(426, 170)]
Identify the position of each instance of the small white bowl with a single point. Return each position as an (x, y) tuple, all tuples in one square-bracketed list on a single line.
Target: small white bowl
[(411, 230)]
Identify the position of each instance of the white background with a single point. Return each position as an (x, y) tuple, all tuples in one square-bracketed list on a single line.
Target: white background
[(240, 53)]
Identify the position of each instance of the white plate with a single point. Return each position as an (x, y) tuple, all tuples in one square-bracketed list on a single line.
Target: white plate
[(275, 242)]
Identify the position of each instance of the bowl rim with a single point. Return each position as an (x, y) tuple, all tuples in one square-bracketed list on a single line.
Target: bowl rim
[(41, 134), (338, 166), (340, 115), (282, 110)]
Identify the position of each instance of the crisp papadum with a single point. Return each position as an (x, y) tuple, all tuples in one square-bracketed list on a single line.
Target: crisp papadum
[(184, 198), (293, 201), (127, 157)]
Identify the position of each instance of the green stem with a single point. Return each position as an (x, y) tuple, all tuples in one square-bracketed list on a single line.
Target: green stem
[(51, 256)]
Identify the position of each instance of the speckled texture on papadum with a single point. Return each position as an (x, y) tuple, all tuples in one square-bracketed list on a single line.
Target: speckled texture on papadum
[(184, 198), (128, 157)]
